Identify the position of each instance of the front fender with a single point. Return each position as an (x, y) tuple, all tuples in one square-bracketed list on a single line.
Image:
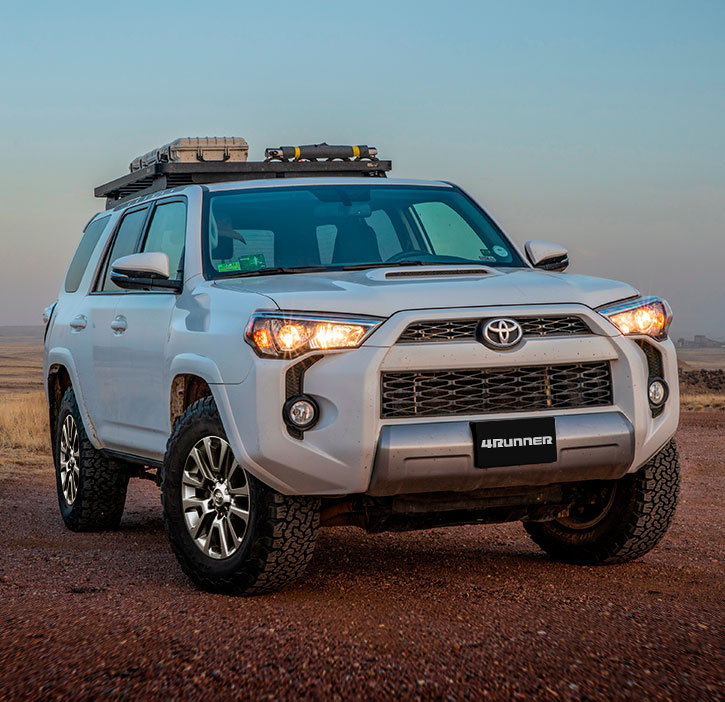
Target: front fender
[(206, 369)]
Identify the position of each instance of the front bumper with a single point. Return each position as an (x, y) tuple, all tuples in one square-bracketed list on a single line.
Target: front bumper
[(439, 456), (352, 450)]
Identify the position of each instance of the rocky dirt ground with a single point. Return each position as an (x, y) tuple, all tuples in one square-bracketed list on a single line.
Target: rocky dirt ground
[(465, 613), (702, 380)]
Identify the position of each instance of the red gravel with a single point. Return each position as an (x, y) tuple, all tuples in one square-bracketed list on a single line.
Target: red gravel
[(454, 614)]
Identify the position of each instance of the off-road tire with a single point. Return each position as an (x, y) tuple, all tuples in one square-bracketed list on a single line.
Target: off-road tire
[(642, 511), (281, 532), (102, 483)]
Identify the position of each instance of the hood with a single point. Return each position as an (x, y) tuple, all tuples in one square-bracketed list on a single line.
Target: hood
[(384, 291)]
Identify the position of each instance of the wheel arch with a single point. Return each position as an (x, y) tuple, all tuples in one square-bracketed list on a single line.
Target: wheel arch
[(186, 389), (192, 377), (61, 374), (57, 382), (204, 376)]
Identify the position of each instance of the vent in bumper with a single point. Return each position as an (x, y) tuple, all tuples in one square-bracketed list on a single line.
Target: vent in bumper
[(441, 393), (655, 367), (466, 329), (294, 381)]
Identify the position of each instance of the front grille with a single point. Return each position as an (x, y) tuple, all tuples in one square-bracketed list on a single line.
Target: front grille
[(441, 393), (466, 329)]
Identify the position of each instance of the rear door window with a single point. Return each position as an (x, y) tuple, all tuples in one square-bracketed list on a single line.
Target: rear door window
[(83, 253), (125, 243)]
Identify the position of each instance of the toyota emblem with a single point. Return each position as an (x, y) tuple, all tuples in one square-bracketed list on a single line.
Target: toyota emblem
[(501, 333)]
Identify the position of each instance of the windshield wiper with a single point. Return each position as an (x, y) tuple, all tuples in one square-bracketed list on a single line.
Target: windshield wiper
[(281, 269), (277, 270), (363, 266)]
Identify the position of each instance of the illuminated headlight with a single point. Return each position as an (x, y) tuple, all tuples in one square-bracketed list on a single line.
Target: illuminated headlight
[(288, 334), (645, 315)]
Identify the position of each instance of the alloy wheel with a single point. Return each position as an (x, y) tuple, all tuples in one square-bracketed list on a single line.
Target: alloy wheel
[(215, 498), (70, 470)]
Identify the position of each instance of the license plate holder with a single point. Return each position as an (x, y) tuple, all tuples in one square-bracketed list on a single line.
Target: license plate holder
[(514, 442)]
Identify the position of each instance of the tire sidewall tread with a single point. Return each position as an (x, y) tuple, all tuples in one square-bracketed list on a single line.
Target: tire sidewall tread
[(102, 483), (281, 533), (644, 508)]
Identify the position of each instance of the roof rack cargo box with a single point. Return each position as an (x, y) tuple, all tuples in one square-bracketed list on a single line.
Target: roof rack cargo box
[(195, 149), (198, 161)]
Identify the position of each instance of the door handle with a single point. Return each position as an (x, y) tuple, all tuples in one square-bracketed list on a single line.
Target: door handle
[(119, 324), (78, 323)]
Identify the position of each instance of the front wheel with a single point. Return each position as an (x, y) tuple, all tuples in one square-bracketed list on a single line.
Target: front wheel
[(616, 521), (229, 532)]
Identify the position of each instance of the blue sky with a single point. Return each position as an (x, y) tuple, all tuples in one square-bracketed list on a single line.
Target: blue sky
[(596, 125)]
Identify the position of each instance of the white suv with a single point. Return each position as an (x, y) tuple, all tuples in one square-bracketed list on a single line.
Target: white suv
[(299, 342)]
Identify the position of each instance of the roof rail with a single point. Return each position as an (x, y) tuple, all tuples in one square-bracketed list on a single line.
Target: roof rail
[(222, 159)]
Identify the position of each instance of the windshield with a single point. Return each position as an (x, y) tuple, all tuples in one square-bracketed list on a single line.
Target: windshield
[(248, 232)]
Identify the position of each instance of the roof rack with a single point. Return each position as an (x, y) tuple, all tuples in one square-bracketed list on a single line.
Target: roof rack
[(222, 159)]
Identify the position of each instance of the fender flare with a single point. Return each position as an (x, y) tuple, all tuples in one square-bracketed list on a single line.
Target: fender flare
[(205, 368), (194, 364), (60, 356)]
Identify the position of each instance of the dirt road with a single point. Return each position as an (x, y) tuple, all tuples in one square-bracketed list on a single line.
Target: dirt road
[(464, 613)]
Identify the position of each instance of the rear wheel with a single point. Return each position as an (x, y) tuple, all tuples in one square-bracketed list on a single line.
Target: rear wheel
[(616, 521), (91, 488), (229, 531)]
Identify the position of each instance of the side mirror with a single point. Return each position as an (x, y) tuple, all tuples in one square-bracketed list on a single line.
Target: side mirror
[(143, 271), (547, 256)]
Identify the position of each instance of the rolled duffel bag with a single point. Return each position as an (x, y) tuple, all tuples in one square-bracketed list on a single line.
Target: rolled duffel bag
[(313, 152)]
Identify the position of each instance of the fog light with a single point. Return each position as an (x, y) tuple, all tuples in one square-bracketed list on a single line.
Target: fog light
[(301, 412), (657, 392)]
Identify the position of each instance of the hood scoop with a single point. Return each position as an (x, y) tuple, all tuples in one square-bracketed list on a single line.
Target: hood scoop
[(437, 272)]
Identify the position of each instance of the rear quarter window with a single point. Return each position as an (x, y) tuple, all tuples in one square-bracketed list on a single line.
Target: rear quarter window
[(83, 253)]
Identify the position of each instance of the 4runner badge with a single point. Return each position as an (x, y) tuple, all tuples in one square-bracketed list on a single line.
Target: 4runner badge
[(514, 442), (501, 333), (517, 441)]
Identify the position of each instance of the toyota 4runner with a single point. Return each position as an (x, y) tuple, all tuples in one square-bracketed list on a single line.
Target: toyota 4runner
[(303, 342)]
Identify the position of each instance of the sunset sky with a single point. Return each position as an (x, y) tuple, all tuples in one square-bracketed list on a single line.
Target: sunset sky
[(600, 126)]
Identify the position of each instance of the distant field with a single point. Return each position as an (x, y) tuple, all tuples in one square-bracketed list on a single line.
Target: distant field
[(709, 359), (21, 360), (23, 413), (15, 334)]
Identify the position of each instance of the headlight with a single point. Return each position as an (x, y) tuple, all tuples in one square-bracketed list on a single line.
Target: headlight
[(645, 315), (288, 334)]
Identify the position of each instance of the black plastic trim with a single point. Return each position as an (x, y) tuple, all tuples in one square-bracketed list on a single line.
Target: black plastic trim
[(294, 382), (133, 458), (655, 371)]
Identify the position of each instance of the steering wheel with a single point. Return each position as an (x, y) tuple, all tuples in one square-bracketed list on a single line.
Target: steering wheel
[(403, 255)]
